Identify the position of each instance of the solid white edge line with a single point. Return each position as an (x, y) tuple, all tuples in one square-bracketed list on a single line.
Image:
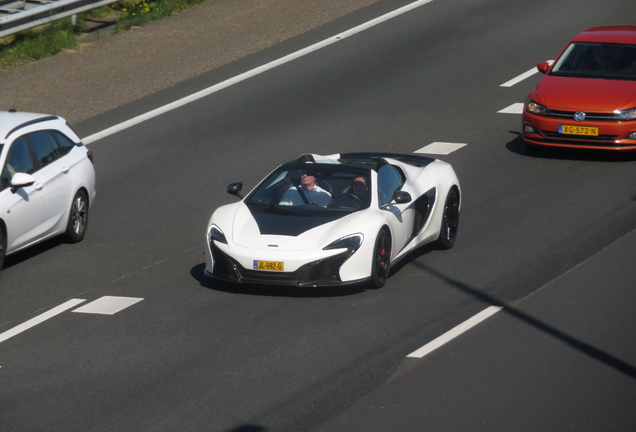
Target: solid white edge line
[(215, 88), (452, 334), (40, 318)]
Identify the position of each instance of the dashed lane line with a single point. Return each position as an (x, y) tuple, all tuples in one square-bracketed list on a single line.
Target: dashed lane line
[(523, 76), (520, 78), (515, 108), (440, 148), (107, 305), (40, 319)]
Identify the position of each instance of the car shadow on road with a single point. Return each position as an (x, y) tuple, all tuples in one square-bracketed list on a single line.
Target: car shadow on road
[(577, 344), (413, 256), (271, 290), (517, 146), (31, 252)]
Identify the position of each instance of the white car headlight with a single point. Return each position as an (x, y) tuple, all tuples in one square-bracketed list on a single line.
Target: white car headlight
[(215, 233), (536, 108), (628, 114), (351, 242)]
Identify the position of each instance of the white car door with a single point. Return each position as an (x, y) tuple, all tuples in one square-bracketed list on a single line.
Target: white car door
[(25, 208), (55, 179), (401, 219)]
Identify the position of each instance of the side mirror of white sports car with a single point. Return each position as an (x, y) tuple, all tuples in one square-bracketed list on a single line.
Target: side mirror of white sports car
[(235, 188), (399, 197), (20, 180)]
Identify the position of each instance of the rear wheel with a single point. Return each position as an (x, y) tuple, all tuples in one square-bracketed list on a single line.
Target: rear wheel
[(381, 259), (78, 218), (450, 221)]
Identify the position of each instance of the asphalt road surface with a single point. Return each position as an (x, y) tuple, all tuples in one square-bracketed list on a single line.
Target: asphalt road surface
[(158, 347)]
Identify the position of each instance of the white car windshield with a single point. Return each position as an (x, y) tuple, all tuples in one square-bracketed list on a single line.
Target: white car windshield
[(314, 189)]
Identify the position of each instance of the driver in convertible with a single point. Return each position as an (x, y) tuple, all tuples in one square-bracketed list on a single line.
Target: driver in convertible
[(307, 192), (360, 189)]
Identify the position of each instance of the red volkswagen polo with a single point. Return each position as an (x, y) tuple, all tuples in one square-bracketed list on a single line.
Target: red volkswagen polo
[(587, 98)]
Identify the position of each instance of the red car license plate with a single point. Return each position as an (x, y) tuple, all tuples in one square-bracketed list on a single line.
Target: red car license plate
[(578, 130)]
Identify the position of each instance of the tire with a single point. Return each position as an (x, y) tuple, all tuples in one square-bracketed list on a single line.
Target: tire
[(450, 221), (77, 218), (381, 264), (3, 247)]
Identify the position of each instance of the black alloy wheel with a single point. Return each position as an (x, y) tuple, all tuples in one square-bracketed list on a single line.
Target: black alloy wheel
[(450, 221), (381, 259)]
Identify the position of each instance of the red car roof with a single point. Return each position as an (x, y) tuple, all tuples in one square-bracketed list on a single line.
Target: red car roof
[(610, 34)]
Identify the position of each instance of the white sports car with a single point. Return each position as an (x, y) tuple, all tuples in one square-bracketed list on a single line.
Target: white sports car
[(338, 219)]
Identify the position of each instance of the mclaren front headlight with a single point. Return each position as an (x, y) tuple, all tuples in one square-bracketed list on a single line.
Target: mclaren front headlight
[(350, 242), (536, 108), (215, 233)]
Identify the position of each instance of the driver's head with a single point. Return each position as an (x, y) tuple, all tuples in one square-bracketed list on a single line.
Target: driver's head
[(307, 179), (359, 186)]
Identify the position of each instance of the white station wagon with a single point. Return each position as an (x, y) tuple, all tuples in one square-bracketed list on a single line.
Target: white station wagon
[(47, 181)]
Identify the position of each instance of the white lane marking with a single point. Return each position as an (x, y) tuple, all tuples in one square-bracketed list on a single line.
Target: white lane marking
[(452, 334), (40, 318), (523, 76), (440, 148), (253, 72), (515, 108), (108, 305), (520, 78)]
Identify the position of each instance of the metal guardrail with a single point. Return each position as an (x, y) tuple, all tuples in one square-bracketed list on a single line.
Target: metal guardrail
[(20, 15)]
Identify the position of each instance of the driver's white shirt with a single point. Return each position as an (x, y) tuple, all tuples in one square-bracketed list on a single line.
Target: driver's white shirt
[(316, 195)]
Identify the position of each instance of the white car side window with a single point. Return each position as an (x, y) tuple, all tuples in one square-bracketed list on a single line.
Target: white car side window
[(42, 147), (18, 160), (389, 180)]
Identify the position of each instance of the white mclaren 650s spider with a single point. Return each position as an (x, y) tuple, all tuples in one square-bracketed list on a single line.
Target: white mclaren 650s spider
[(333, 220)]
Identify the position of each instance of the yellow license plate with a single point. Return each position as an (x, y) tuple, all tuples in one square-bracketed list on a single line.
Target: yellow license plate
[(269, 265), (578, 130)]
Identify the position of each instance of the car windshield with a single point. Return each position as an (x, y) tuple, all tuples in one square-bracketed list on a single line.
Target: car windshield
[(597, 60), (314, 189)]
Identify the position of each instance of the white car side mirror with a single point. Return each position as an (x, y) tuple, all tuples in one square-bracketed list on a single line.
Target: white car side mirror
[(20, 180)]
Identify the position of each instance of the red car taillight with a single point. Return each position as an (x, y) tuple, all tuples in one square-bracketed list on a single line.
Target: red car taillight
[(89, 154)]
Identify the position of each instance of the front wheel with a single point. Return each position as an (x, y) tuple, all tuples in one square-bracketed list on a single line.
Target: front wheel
[(78, 218), (381, 259), (450, 221)]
